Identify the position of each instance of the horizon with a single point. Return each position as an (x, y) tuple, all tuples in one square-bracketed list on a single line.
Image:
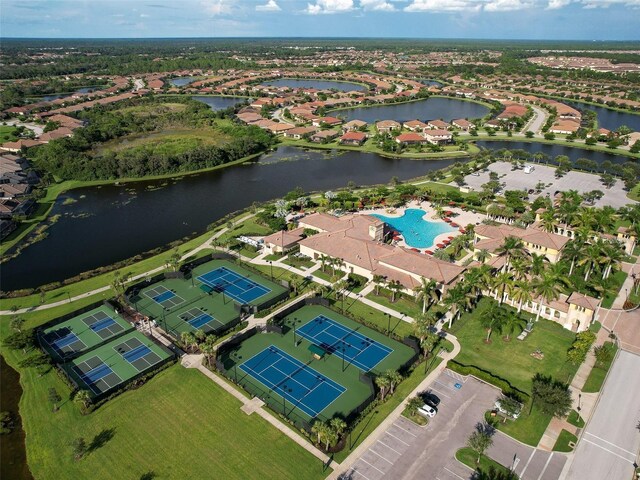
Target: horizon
[(510, 20)]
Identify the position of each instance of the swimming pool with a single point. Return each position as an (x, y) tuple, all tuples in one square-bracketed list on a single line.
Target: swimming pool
[(417, 232)]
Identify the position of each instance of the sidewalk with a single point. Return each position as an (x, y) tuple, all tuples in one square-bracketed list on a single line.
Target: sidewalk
[(393, 416)]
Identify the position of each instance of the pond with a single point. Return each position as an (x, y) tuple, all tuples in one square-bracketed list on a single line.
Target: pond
[(609, 119), (431, 83), (12, 449), (317, 84), (110, 223), (429, 109), (220, 103), (554, 150), (55, 96), (181, 81)]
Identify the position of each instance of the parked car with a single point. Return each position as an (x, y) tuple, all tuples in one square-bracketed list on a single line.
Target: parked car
[(430, 399), (515, 415), (427, 411)]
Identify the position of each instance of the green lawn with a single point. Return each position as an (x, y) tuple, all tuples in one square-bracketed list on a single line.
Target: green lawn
[(468, 457), (512, 360), (575, 419), (7, 133), (176, 426), (562, 443), (618, 279), (402, 304), (376, 317), (599, 372), (415, 418), (528, 428)]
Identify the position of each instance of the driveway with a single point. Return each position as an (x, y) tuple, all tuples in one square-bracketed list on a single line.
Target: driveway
[(609, 446), (407, 451)]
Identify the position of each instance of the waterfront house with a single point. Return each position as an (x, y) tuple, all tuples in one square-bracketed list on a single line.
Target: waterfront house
[(353, 138), (386, 126), (438, 137)]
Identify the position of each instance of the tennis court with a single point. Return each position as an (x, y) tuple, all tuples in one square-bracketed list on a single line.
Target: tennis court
[(354, 347), (242, 289), (83, 332), (198, 319), (116, 362), (165, 297), (304, 387)]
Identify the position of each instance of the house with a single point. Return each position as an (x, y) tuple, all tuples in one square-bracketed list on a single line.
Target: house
[(12, 190), (249, 117), (565, 127), (438, 137), (462, 124), (322, 121), (299, 132), (491, 238), (415, 125), (410, 138), (438, 125), (353, 138), (155, 84), (493, 123), (278, 128), (283, 241), (385, 126), (19, 145), (324, 136), (354, 125), (61, 132)]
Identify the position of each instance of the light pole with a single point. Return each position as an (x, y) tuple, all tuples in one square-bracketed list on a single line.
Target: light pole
[(271, 268), (295, 342), (388, 324), (579, 398)]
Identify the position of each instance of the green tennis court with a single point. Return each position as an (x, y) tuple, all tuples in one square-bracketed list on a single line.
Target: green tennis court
[(188, 305), (115, 363), (241, 365), (83, 332)]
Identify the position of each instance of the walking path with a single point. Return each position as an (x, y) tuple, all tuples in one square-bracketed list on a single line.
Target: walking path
[(207, 244), (393, 416)]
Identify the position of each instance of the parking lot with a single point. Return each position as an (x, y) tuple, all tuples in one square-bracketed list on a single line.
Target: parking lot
[(408, 451), (582, 182)]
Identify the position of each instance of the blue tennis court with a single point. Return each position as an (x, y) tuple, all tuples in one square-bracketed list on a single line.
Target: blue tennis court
[(102, 324), (357, 349), (97, 375), (65, 341), (164, 297), (236, 286), (304, 387)]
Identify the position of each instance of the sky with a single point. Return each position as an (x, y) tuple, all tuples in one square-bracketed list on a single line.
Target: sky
[(493, 19)]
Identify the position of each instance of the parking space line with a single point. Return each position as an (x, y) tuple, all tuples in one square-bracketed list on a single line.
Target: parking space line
[(392, 449), (612, 444), (444, 385), (607, 450), (545, 466), (454, 474), (528, 462), (412, 434), (438, 391), (399, 439), (353, 470), (372, 466), (373, 451)]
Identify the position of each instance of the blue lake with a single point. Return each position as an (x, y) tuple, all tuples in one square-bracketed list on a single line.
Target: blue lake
[(429, 109), (417, 231), (220, 103), (317, 84), (181, 81), (609, 119)]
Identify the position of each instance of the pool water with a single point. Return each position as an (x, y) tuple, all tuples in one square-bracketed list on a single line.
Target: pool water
[(417, 232)]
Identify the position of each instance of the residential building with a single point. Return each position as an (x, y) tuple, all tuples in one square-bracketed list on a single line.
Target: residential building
[(385, 126), (353, 138)]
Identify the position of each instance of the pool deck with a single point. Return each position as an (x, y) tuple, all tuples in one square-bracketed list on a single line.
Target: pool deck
[(462, 218)]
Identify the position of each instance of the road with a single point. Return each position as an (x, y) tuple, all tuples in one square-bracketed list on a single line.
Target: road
[(537, 121), (610, 444)]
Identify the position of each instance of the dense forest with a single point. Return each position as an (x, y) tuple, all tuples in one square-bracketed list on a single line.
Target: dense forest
[(78, 157)]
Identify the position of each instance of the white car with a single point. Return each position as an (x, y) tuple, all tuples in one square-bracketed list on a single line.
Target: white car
[(515, 415), (427, 411)]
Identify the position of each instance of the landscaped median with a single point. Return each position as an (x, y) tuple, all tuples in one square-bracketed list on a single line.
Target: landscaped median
[(600, 369), (470, 458)]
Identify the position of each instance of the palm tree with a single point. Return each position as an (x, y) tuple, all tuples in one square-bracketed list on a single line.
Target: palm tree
[(537, 264), (427, 344), (492, 318), (320, 429), (383, 384), (501, 282), (510, 323), (337, 263), (546, 288), (187, 339), (413, 405), (83, 398), (210, 351), (612, 256), (323, 262), (395, 286), (378, 281), (591, 257), (572, 251), (338, 426), (457, 300), (427, 292), (394, 379), (511, 247), (548, 221), (422, 325), (521, 293), (483, 255)]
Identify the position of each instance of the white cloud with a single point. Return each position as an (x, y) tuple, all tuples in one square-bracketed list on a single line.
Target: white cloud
[(555, 4), (377, 5), (607, 3), (144, 15), (270, 6), (444, 6), (507, 5), (217, 7), (329, 6)]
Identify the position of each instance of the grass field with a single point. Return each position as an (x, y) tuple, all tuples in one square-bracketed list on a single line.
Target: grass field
[(512, 360), (599, 372), (179, 425), (331, 365), (7, 133), (575, 419), (469, 458), (562, 443)]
